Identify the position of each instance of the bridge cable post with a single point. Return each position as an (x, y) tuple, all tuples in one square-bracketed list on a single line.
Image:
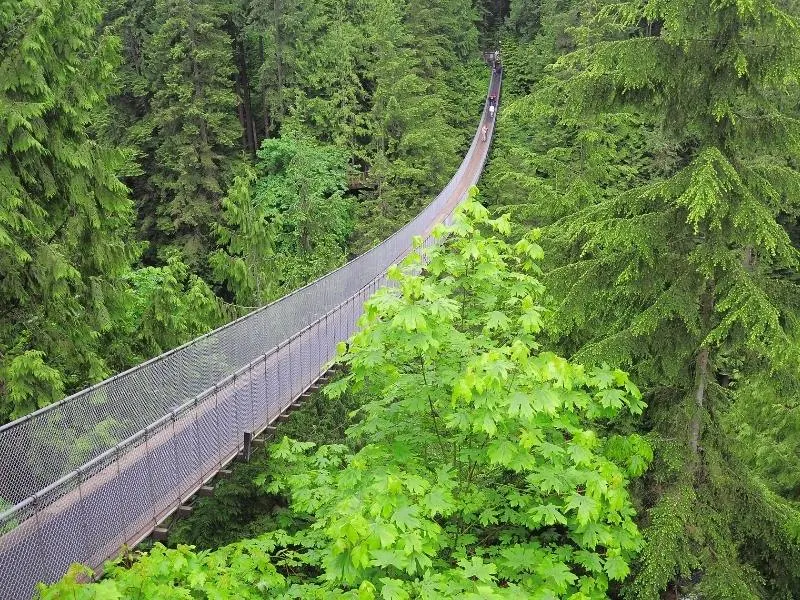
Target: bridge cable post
[(313, 335), (320, 364), (327, 343), (84, 521), (353, 312), (40, 539), (148, 461), (266, 391), (119, 496), (291, 379), (176, 459), (278, 376), (310, 354), (301, 367), (252, 402), (341, 328), (247, 449), (235, 413), (216, 413), (301, 360), (198, 452)]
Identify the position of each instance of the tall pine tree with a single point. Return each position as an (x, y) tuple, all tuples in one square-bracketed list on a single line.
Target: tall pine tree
[(64, 215), (191, 122), (682, 278)]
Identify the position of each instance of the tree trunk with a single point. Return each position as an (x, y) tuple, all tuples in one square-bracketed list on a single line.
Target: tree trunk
[(702, 371), (243, 83), (749, 258), (701, 378), (242, 118)]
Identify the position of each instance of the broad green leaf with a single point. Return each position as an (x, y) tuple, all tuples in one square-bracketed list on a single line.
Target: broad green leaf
[(616, 567), (586, 507), (477, 569)]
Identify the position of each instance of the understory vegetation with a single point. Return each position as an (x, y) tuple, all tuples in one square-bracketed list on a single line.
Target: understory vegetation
[(478, 465)]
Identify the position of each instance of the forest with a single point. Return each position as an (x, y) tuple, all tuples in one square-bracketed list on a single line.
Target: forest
[(588, 389)]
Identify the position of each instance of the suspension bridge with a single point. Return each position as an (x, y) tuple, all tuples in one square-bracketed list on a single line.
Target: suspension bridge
[(103, 468)]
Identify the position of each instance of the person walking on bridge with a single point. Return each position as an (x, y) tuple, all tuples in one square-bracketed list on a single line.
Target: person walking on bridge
[(484, 131), (491, 111)]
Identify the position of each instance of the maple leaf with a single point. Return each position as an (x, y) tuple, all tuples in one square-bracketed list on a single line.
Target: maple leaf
[(497, 320), (393, 589), (476, 568), (586, 507), (385, 532), (411, 318), (501, 451), (617, 568), (520, 405), (549, 514), (406, 517), (547, 400)]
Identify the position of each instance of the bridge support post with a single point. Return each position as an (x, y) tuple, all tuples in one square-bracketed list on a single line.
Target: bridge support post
[(247, 450)]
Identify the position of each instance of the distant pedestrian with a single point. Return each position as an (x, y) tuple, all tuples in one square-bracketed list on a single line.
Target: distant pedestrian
[(484, 131), (491, 112)]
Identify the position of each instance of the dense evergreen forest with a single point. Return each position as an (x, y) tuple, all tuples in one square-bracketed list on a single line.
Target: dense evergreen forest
[(592, 387), (168, 164)]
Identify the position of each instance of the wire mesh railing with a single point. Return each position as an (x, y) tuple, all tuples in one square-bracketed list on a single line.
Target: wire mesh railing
[(103, 467)]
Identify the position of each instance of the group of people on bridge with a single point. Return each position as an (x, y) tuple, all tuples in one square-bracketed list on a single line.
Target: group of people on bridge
[(494, 58), (492, 110)]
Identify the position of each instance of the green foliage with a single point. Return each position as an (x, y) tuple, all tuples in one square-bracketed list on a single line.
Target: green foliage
[(286, 223), (242, 570), (476, 467), (764, 421), (165, 307), (478, 460), (657, 158), (190, 127), (59, 197), (32, 384), (246, 236), (302, 186)]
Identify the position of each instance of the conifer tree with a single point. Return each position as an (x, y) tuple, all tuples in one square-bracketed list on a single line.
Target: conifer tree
[(285, 222), (64, 215), (245, 236), (192, 121), (683, 279)]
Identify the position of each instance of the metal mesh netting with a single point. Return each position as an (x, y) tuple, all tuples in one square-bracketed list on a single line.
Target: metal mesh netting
[(104, 466)]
